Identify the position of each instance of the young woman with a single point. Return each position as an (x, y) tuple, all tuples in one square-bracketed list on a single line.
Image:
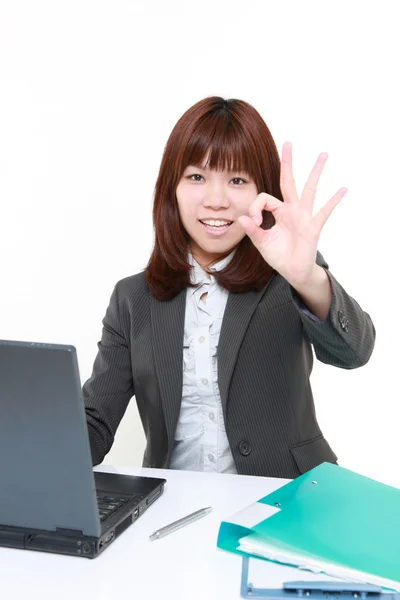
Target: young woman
[(215, 337)]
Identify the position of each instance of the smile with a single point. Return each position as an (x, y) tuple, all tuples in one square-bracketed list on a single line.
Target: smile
[(215, 227)]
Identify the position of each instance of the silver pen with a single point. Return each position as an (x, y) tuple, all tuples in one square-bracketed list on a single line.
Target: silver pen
[(180, 523)]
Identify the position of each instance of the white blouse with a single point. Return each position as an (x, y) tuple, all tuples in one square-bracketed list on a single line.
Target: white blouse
[(201, 443)]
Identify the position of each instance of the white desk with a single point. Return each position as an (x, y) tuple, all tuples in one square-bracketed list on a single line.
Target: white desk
[(186, 565)]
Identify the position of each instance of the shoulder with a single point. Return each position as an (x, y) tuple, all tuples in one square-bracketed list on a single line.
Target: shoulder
[(130, 299), (132, 283), (132, 290)]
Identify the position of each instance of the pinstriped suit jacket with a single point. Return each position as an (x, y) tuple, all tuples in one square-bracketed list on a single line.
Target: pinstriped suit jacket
[(264, 363)]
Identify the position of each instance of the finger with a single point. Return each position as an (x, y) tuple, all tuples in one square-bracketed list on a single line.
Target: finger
[(310, 189), (255, 233), (322, 216), (263, 202), (287, 183)]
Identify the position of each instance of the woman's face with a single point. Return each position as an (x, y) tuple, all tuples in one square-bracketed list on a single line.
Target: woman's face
[(210, 203)]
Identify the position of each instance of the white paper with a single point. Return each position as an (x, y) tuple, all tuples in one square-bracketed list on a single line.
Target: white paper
[(263, 549)]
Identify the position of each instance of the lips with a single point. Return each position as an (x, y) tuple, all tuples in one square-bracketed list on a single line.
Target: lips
[(213, 230)]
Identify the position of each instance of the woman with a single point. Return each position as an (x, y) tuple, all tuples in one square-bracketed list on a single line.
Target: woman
[(215, 337)]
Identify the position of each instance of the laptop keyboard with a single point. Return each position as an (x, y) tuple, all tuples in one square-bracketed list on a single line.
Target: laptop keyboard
[(109, 504)]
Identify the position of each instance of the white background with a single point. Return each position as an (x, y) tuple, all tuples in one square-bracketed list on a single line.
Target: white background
[(89, 92)]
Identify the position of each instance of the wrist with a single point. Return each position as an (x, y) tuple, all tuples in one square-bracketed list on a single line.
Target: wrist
[(316, 280), (316, 292)]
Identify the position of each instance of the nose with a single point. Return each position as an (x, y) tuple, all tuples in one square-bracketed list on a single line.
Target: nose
[(215, 197)]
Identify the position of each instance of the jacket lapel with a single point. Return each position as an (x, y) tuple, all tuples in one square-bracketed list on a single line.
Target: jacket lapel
[(238, 312), (167, 329)]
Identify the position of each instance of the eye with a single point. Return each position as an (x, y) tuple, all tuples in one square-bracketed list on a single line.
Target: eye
[(238, 181), (195, 177)]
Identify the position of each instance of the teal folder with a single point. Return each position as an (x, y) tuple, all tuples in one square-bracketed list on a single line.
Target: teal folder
[(330, 520)]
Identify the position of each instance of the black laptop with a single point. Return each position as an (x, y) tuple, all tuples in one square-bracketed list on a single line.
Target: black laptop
[(50, 498)]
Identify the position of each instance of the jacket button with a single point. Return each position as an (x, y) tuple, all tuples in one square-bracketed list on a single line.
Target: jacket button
[(244, 448), (344, 322)]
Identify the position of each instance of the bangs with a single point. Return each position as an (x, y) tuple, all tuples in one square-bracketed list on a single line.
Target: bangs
[(219, 142)]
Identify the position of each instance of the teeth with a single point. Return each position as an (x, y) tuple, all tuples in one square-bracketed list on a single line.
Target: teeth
[(216, 223)]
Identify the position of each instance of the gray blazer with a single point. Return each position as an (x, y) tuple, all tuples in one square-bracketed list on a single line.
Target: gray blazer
[(264, 364)]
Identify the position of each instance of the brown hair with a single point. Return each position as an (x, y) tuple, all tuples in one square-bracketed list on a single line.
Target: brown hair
[(235, 137)]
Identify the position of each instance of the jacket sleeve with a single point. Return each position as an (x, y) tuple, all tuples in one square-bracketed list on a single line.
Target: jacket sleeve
[(108, 391), (346, 337)]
